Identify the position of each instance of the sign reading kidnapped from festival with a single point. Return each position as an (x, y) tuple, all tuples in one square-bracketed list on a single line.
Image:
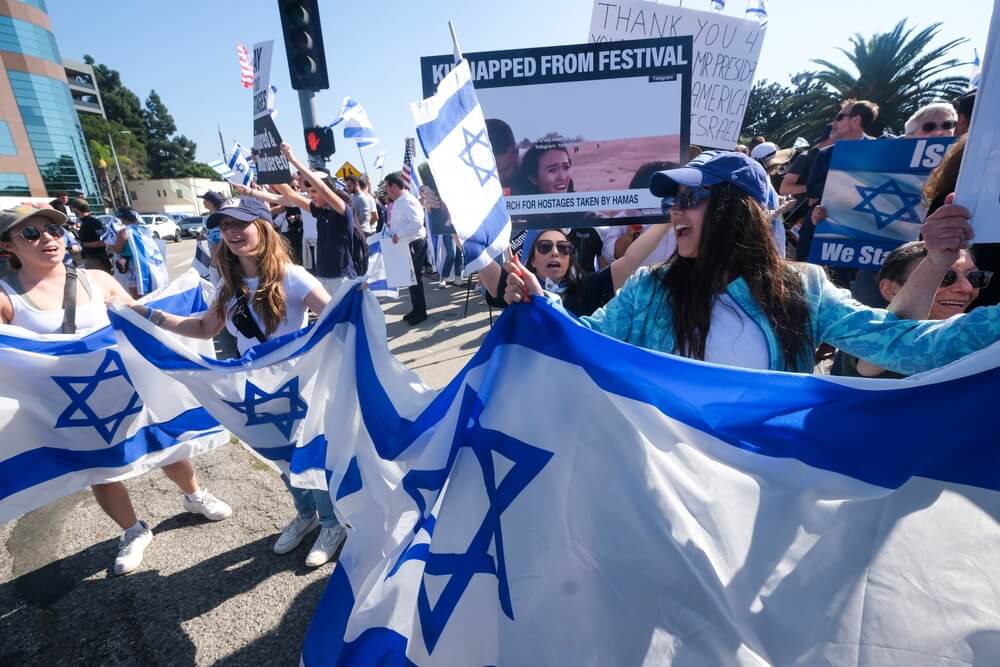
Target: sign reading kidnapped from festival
[(578, 130), (726, 51), (272, 167), (873, 199)]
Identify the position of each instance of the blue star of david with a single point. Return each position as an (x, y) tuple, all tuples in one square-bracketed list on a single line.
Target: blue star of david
[(111, 368), (527, 460), (484, 174), (891, 188), (254, 397)]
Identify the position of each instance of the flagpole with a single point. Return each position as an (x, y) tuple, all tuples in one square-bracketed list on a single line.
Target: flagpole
[(454, 41), (222, 144), (364, 167)]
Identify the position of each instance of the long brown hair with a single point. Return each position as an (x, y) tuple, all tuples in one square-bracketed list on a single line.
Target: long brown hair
[(736, 242), (944, 177), (272, 255)]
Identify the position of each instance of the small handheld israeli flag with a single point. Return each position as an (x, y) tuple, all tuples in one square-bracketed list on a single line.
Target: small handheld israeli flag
[(452, 131), (976, 70), (357, 127), (379, 161), (757, 9), (147, 261), (718, 5), (237, 168)]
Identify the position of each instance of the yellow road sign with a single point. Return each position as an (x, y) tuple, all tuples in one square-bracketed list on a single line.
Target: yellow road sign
[(347, 169)]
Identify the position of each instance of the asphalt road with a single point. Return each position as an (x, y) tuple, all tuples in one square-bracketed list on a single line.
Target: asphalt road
[(206, 593)]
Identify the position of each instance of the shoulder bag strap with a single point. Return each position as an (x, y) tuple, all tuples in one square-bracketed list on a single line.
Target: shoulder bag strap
[(69, 302)]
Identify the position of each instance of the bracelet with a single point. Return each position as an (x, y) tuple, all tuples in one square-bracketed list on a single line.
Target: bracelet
[(149, 313)]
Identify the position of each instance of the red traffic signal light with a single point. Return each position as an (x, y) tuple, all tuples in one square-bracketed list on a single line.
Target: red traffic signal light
[(319, 142)]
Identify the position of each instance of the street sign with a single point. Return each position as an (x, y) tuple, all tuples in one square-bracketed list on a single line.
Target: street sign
[(347, 169)]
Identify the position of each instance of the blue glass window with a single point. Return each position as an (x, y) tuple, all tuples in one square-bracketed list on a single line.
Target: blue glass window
[(27, 38), (54, 130), (13, 185), (7, 146)]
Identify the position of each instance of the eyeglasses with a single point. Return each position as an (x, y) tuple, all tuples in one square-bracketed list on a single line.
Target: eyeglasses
[(565, 248), (684, 200), (930, 125), (978, 279), (32, 234)]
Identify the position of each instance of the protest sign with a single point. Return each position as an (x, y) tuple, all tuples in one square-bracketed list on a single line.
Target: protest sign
[(272, 167), (726, 51), (576, 130), (979, 179), (872, 199)]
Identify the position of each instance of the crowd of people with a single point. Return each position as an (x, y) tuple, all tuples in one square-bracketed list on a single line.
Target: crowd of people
[(723, 276)]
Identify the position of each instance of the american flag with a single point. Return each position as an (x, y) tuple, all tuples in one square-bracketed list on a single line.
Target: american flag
[(246, 67), (410, 175)]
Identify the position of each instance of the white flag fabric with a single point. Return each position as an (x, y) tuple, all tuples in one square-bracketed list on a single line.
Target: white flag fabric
[(73, 416), (379, 161), (386, 259), (268, 398), (569, 499), (452, 131)]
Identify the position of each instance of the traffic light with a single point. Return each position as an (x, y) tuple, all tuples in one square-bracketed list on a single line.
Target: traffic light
[(319, 142), (304, 44)]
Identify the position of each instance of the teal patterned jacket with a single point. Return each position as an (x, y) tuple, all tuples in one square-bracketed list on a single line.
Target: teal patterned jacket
[(639, 315)]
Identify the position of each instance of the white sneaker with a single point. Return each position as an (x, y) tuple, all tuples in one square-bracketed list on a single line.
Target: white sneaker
[(326, 545), (293, 533), (208, 506), (131, 546)]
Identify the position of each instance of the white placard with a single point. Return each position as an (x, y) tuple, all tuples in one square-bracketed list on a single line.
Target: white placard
[(726, 51), (978, 186)]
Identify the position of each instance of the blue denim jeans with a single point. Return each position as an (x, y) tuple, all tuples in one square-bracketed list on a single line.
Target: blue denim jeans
[(450, 258), (309, 502)]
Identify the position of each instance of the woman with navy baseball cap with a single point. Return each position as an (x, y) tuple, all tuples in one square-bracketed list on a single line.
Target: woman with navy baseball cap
[(728, 297)]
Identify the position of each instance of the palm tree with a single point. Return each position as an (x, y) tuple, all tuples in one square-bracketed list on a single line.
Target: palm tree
[(897, 70)]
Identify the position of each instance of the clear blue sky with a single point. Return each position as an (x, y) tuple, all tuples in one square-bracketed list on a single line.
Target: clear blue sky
[(185, 50)]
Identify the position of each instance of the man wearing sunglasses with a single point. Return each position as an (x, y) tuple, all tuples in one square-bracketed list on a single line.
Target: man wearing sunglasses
[(853, 122)]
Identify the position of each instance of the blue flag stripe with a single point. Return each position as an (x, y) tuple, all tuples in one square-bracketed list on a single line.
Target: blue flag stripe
[(452, 113), (42, 464), (488, 231)]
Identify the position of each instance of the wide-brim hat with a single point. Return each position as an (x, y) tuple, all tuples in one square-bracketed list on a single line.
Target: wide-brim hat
[(14, 216)]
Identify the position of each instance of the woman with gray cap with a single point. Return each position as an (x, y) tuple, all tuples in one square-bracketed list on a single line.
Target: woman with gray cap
[(728, 297), (35, 297), (263, 295)]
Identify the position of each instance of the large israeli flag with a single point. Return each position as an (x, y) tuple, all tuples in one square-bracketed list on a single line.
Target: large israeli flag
[(453, 134), (148, 264), (269, 397), (71, 415), (569, 499)]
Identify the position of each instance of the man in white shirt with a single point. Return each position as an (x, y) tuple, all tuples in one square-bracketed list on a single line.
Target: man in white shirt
[(406, 224)]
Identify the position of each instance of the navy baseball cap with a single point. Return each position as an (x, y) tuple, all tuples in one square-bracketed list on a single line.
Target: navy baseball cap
[(246, 209), (714, 167), (215, 197)]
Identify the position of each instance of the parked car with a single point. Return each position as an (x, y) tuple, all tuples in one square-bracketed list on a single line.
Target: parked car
[(193, 226), (162, 226)]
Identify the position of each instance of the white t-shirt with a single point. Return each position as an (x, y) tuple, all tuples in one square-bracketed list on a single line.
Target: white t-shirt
[(309, 232), (298, 284), (733, 338)]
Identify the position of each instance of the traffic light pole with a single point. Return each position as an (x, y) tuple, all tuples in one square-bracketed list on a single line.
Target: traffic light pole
[(307, 105)]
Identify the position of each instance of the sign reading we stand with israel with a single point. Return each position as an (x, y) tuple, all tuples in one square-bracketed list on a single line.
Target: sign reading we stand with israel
[(873, 199), (577, 130)]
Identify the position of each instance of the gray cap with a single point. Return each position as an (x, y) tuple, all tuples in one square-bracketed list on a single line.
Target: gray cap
[(14, 216)]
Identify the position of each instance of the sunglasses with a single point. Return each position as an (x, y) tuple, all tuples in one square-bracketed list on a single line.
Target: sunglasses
[(34, 233), (978, 279), (684, 200), (930, 125), (565, 248)]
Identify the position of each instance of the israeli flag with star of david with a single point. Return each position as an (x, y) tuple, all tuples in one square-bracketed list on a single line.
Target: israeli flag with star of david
[(269, 397), (71, 414), (452, 132), (569, 499), (873, 199), (147, 265)]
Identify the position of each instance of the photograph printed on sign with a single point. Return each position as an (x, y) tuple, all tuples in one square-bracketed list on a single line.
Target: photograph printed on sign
[(578, 130)]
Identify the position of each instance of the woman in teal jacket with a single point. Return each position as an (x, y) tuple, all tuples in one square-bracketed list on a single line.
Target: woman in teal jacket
[(728, 297)]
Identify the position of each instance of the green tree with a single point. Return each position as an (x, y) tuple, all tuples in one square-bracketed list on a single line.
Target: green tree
[(170, 155), (131, 151), (121, 105), (898, 70), (763, 116)]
